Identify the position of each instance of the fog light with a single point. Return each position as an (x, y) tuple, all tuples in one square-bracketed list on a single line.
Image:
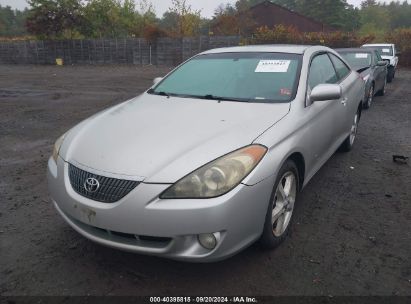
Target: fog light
[(207, 240)]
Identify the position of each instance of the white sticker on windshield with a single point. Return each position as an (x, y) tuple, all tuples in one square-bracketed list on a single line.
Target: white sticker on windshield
[(385, 50), (273, 66), (361, 55)]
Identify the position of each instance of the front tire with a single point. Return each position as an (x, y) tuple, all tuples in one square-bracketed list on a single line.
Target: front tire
[(281, 206), (348, 143)]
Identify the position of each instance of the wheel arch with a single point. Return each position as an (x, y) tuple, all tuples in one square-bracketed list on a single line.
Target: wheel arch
[(299, 161)]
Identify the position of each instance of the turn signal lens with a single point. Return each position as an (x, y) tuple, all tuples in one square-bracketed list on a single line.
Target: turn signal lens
[(219, 176)]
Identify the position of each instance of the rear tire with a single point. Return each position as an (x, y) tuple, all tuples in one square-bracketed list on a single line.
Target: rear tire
[(370, 97), (348, 143), (391, 72), (281, 206), (384, 89)]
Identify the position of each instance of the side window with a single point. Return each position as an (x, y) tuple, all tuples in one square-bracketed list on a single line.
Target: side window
[(321, 71), (377, 56), (340, 66)]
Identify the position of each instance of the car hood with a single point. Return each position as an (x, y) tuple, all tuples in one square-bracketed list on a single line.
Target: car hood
[(159, 139)]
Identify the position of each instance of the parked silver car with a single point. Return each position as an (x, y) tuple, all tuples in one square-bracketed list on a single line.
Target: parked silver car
[(372, 69), (212, 157)]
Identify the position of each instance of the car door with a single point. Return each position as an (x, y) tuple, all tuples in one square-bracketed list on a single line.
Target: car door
[(348, 96), (327, 118), (380, 72)]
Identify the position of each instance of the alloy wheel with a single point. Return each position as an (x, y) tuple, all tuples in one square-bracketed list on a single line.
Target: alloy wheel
[(283, 204), (354, 129), (370, 96)]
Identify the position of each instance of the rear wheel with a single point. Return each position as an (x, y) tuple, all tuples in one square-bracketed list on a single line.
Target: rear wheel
[(370, 97), (349, 141), (384, 88), (391, 72), (281, 206)]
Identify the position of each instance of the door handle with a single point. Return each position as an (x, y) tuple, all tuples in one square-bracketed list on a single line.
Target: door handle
[(344, 101)]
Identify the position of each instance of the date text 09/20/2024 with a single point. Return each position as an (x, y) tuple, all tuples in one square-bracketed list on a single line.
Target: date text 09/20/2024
[(238, 299)]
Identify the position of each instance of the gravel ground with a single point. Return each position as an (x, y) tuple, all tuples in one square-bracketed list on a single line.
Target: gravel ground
[(351, 234)]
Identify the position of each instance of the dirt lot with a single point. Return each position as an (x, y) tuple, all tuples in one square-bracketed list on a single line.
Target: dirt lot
[(352, 232)]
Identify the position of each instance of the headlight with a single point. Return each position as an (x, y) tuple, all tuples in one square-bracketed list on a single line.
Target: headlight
[(57, 146), (219, 176)]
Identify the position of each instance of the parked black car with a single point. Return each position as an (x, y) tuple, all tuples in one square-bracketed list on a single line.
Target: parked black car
[(372, 68)]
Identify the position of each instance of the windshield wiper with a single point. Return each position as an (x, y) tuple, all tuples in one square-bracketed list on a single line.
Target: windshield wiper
[(162, 93), (219, 98), (207, 96)]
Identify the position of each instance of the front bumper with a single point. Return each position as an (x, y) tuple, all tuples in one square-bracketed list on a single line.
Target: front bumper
[(142, 223)]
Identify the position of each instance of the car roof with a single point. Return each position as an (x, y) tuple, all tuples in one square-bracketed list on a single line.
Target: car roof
[(274, 48), (354, 50), (378, 44)]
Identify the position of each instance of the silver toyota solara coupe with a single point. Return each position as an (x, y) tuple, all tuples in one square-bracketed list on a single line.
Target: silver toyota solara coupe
[(212, 157)]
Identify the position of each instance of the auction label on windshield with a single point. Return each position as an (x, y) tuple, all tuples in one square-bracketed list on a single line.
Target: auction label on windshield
[(385, 50), (273, 66)]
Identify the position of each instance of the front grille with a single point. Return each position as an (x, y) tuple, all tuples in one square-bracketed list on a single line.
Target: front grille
[(110, 190)]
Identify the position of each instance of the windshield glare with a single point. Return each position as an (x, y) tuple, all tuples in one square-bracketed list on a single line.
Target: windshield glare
[(253, 77), (357, 59)]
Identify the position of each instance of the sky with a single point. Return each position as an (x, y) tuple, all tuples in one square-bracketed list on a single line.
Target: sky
[(207, 6)]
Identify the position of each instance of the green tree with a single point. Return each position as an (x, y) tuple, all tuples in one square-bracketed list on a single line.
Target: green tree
[(336, 13), (54, 18), (148, 19), (375, 19), (187, 22), (290, 4), (400, 14), (115, 18), (12, 22), (103, 19)]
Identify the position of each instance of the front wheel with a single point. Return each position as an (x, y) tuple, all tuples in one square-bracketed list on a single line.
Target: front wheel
[(281, 206), (349, 141)]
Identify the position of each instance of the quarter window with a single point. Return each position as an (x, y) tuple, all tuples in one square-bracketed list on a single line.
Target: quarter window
[(321, 71), (341, 67)]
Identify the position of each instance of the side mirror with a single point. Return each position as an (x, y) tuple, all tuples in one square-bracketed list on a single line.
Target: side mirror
[(382, 63), (157, 80), (397, 53), (325, 92)]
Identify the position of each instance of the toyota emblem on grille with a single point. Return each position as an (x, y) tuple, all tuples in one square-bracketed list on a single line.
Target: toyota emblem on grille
[(91, 185)]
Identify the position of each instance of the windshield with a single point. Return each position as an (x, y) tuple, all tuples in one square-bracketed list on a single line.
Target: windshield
[(357, 59), (384, 50), (250, 77)]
